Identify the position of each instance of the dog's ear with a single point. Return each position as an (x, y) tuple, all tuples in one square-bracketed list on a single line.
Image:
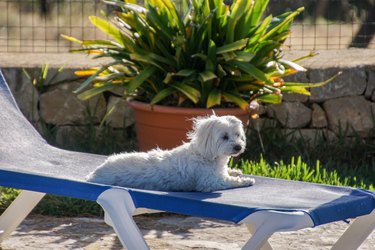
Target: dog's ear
[(202, 136), (198, 123)]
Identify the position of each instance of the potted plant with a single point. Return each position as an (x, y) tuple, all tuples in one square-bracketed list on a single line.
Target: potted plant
[(210, 55)]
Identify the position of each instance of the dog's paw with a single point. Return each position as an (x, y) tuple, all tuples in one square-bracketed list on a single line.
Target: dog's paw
[(247, 181), (234, 172)]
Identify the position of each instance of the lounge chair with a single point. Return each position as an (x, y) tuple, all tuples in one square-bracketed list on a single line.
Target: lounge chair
[(27, 162)]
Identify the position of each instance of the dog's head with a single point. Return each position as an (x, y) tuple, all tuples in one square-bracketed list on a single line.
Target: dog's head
[(215, 136)]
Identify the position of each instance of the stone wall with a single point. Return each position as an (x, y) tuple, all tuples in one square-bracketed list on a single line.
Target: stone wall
[(347, 104), (57, 112), (343, 107)]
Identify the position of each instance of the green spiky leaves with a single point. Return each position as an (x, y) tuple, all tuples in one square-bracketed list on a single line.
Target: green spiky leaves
[(204, 54)]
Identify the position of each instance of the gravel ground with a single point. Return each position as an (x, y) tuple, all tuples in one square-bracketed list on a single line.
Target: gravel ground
[(162, 231)]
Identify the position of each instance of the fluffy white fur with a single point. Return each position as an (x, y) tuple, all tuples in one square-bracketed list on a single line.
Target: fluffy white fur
[(199, 165)]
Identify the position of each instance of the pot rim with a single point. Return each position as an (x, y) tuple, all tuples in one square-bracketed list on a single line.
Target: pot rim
[(173, 109)]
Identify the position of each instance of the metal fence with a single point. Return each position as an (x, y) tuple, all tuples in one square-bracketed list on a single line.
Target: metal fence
[(37, 25)]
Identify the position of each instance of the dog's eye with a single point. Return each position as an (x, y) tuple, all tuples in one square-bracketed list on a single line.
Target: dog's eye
[(225, 137)]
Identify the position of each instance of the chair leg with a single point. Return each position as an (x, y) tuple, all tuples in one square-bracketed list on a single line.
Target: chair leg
[(17, 212), (356, 233), (265, 223), (119, 208), (266, 245)]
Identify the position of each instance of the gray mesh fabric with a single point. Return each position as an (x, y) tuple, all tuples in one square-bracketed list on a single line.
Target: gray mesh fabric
[(22, 149)]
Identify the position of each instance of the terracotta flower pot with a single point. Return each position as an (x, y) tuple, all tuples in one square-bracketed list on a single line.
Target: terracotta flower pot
[(166, 127)]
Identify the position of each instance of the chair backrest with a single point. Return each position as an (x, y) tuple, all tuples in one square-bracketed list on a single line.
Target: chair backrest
[(14, 127), (23, 149), (5, 91)]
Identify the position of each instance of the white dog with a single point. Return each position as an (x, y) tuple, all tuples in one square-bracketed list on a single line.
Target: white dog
[(200, 165)]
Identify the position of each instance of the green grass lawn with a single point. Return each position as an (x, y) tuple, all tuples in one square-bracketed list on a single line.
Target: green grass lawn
[(298, 170)]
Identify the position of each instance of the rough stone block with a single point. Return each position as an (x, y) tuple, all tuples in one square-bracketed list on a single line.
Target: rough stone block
[(297, 77), (291, 114), (122, 115), (312, 137), (309, 136), (318, 117), (294, 97), (351, 83), (351, 115), (60, 106), (262, 123), (369, 93), (70, 135), (54, 75)]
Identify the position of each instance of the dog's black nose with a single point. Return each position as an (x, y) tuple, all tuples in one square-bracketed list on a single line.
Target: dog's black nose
[(237, 148)]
